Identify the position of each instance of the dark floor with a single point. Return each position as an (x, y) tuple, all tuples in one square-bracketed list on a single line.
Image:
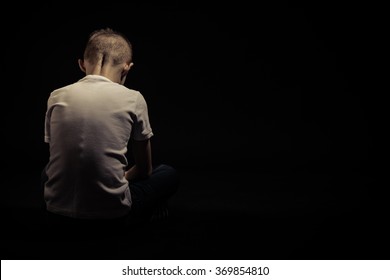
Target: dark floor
[(257, 214)]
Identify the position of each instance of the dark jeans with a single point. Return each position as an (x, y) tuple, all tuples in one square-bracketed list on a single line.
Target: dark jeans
[(147, 195), (154, 191)]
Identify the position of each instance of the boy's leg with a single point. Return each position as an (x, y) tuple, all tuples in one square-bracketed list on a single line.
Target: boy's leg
[(152, 192)]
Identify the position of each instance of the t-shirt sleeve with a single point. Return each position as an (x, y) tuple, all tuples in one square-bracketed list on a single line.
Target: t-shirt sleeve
[(141, 127), (47, 123)]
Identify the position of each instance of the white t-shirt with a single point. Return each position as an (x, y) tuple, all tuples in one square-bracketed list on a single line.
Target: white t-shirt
[(88, 125)]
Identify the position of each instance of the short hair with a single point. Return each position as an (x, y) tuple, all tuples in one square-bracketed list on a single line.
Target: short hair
[(108, 44)]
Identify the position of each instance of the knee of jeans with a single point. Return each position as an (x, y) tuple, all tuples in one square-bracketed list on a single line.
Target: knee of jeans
[(165, 168), (170, 171)]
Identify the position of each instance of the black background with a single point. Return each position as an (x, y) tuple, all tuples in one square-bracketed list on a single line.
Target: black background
[(265, 109)]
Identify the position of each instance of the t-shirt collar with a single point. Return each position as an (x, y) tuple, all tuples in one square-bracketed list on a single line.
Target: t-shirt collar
[(95, 77)]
